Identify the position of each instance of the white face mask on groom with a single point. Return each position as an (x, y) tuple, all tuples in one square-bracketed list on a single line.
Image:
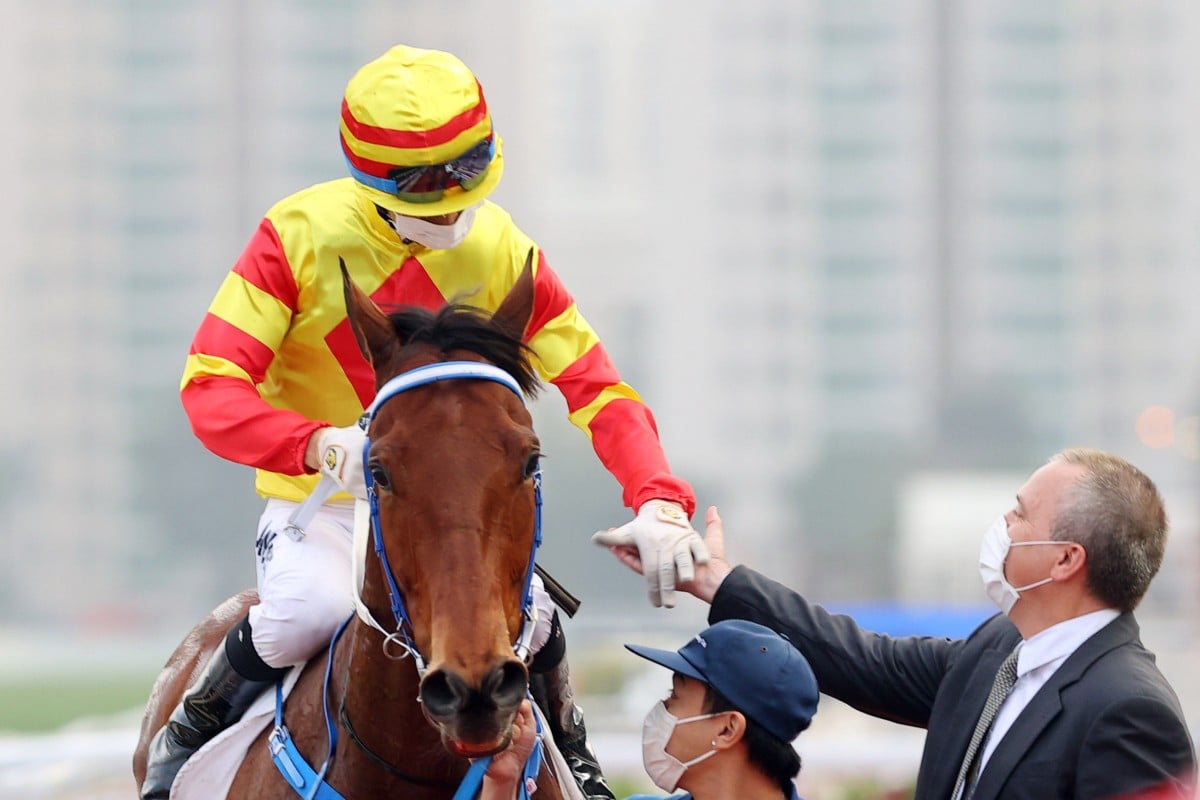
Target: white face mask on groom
[(992, 555), (662, 767)]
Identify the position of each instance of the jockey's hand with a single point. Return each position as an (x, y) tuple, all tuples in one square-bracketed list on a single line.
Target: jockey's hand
[(338, 453), (503, 775), (668, 548), (709, 575)]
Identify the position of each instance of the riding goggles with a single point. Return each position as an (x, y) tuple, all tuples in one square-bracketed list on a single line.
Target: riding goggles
[(428, 183)]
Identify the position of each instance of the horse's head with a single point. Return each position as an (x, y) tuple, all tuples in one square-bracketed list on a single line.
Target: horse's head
[(454, 465)]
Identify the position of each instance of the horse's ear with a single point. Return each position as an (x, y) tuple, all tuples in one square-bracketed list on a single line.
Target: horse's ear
[(517, 308), (372, 329)]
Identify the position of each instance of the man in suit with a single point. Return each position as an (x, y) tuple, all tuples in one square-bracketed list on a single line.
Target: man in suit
[(1085, 714)]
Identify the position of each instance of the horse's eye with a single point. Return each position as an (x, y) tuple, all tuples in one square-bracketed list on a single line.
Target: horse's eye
[(380, 475), (531, 464)]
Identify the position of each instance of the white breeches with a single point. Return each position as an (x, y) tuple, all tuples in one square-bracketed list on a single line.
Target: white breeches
[(305, 587)]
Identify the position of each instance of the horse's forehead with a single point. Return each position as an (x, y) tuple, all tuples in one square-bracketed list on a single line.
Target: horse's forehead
[(415, 355)]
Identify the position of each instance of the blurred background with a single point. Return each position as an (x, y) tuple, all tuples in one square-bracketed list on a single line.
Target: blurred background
[(870, 263)]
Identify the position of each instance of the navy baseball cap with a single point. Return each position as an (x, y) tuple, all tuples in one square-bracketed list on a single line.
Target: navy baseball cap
[(761, 673)]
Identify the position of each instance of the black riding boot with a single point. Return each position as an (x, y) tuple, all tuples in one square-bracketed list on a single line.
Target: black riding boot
[(216, 701), (550, 685)]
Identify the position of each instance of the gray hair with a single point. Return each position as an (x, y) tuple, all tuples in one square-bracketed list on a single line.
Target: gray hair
[(1117, 514)]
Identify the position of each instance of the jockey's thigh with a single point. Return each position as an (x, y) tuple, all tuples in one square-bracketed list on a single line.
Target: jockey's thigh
[(545, 615), (303, 586)]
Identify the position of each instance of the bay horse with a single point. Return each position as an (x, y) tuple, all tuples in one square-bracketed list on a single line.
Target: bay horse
[(454, 468)]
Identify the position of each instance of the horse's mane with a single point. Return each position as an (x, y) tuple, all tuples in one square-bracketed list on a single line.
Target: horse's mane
[(462, 327)]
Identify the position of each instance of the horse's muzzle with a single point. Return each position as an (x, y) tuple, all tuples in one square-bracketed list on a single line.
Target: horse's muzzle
[(475, 720)]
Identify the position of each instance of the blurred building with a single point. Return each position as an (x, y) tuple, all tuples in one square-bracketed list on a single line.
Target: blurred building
[(949, 235), (928, 234)]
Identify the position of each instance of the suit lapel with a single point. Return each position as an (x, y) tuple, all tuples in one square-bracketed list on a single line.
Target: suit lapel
[(1047, 704)]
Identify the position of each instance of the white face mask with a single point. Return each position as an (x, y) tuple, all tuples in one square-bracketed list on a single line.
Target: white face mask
[(992, 555), (662, 767), (433, 236)]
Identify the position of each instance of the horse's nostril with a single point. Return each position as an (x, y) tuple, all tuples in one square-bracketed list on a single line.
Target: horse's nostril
[(443, 693), (507, 684)]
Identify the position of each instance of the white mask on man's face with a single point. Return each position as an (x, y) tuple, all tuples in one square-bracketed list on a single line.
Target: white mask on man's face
[(432, 235), (992, 555), (662, 767)]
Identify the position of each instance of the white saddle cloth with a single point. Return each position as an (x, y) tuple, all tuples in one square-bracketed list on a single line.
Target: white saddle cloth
[(209, 773)]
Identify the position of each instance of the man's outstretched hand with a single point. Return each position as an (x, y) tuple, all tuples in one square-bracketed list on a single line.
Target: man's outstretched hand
[(707, 575)]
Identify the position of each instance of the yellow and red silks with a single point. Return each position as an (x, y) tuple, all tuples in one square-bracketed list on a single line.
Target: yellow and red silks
[(274, 357)]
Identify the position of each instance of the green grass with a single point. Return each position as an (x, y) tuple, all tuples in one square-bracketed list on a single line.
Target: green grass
[(33, 704), (623, 787)]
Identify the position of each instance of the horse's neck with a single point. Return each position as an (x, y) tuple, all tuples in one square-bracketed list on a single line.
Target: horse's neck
[(380, 701)]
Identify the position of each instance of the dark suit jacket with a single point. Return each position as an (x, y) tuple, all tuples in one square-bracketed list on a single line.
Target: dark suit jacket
[(1107, 724)]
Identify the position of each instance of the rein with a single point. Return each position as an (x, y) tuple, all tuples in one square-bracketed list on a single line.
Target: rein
[(344, 717)]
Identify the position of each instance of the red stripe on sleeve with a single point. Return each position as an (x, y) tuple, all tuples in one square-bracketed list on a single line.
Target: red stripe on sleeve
[(264, 264), (592, 373), (550, 297), (216, 337), (231, 420), (624, 434), (626, 439), (410, 139)]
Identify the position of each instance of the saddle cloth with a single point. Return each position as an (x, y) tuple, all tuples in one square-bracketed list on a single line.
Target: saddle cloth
[(209, 773), (556, 763)]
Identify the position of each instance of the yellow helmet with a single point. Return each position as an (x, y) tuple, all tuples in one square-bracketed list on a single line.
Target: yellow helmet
[(417, 134)]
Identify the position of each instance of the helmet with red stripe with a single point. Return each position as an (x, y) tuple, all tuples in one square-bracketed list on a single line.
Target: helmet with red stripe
[(417, 134)]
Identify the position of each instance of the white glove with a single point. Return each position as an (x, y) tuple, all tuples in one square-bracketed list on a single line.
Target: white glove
[(667, 545), (338, 453)]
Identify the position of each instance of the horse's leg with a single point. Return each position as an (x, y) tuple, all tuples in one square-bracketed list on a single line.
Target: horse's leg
[(183, 668)]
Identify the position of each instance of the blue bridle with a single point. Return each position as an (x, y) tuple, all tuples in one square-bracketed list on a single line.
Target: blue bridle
[(421, 376), (310, 783)]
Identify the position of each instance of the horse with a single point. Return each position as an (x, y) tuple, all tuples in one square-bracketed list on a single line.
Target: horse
[(453, 465)]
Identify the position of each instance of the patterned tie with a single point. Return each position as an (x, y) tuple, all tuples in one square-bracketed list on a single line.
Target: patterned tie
[(1006, 678)]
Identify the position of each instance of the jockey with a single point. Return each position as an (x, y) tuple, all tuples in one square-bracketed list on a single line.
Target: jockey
[(275, 380)]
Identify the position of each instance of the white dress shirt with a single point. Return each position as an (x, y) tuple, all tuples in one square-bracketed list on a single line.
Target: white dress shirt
[(1039, 659)]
